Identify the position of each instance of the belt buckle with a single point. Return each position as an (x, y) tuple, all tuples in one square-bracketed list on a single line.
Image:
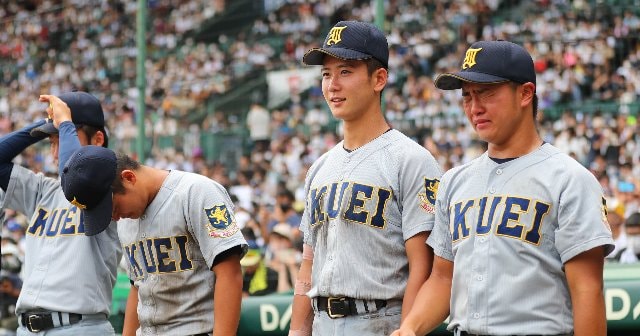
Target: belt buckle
[(29, 325), (330, 311)]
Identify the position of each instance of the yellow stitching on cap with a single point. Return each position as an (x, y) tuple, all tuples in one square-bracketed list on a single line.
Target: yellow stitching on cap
[(470, 58), (335, 35)]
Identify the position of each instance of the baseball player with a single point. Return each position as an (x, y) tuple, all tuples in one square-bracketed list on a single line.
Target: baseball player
[(175, 228), (370, 201), (521, 232), (68, 276)]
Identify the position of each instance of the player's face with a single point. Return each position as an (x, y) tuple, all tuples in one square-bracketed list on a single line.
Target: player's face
[(54, 141), (494, 110), (131, 203), (348, 88)]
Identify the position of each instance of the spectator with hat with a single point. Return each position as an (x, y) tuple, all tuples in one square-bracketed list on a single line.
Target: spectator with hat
[(631, 253), (258, 278)]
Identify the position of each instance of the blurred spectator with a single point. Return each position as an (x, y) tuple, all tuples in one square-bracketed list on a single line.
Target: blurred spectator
[(258, 279), (283, 256), (616, 222), (258, 120), (283, 212), (10, 284), (631, 253)]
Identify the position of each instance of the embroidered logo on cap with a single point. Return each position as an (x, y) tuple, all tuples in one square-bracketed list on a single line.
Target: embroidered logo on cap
[(335, 35), (78, 204), (470, 58)]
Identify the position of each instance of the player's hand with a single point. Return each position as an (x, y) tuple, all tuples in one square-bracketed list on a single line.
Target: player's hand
[(58, 110), (403, 332)]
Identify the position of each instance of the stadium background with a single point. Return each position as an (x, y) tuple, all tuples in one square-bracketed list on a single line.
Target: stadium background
[(208, 63)]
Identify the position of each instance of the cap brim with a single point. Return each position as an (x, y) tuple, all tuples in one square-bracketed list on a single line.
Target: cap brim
[(453, 81), (98, 219), (315, 56), (44, 130)]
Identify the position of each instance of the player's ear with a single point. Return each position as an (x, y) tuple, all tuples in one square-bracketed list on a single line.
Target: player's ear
[(128, 176), (528, 90), (97, 139), (381, 75)]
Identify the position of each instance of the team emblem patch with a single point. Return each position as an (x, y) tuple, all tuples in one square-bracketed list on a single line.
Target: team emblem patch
[(335, 35), (220, 225), (427, 199), (470, 58), (78, 204)]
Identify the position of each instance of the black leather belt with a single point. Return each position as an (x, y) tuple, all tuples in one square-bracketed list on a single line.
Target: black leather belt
[(344, 306), (40, 321)]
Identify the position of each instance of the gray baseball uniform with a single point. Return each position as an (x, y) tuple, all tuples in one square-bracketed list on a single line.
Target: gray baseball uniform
[(509, 228), (171, 250), (361, 207), (79, 272)]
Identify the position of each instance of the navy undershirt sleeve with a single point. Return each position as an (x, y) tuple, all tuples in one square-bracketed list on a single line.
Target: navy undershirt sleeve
[(13, 144), (69, 142)]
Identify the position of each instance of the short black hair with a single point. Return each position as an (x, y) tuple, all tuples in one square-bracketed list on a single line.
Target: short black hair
[(90, 131), (373, 65)]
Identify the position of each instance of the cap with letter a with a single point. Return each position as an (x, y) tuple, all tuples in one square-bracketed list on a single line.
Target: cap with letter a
[(85, 110), (86, 181), (351, 40), (487, 62)]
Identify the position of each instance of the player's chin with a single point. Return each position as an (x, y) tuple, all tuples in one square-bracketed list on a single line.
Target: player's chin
[(483, 130)]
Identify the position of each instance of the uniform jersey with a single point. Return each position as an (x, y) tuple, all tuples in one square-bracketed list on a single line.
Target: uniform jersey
[(79, 272), (171, 249), (509, 228), (361, 207)]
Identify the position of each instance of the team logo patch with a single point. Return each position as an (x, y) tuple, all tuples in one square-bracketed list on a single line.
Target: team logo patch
[(335, 35), (427, 199), (470, 58), (605, 212), (78, 204), (220, 225)]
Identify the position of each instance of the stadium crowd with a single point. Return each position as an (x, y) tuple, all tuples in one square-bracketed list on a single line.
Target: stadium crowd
[(584, 53)]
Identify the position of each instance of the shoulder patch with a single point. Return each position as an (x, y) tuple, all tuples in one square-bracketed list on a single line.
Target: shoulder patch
[(221, 224), (427, 199)]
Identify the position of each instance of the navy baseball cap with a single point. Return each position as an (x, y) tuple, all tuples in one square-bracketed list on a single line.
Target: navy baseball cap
[(351, 40), (85, 110), (487, 62), (86, 182)]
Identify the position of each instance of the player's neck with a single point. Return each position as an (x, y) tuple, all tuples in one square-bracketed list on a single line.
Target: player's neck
[(154, 178), (358, 133), (515, 149)]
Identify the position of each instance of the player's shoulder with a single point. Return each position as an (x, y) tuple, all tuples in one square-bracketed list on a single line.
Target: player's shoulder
[(555, 158), (464, 169), (190, 183), (189, 178), (320, 161), (402, 146)]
